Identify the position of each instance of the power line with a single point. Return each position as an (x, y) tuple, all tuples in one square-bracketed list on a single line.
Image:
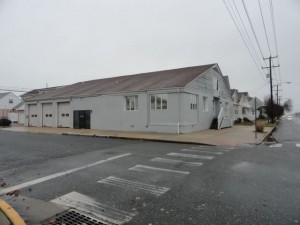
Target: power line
[(264, 25), (243, 38), (245, 8), (246, 32)]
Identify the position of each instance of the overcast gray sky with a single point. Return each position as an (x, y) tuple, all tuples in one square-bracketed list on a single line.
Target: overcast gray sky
[(61, 42)]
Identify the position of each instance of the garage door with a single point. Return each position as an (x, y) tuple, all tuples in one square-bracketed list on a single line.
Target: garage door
[(32, 116), (47, 115), (64, 114)]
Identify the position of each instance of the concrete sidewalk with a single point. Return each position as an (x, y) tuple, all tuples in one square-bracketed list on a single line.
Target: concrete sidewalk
[(237, 135)]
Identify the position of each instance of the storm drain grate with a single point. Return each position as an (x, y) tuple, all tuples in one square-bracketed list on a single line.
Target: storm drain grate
[(74, 217)]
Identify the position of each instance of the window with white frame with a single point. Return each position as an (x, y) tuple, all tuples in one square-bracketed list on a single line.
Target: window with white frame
[(205, 104), (159, 101), (193, 102), (131, 103), (10, 101)]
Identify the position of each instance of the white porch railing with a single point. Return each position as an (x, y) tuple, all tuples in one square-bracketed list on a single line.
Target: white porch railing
[(223, 120)]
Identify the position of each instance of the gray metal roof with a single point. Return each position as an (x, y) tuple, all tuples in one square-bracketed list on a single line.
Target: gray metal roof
[(175, 78)]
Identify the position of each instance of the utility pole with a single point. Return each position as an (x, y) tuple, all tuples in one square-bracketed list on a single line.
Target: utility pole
[(271, 85)]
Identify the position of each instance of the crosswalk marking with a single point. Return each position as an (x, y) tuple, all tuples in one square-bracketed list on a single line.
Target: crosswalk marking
[(202, 151), (276, 145), (119, 182), (89, 205), (298, 145), (174, 161), (143, 168), (191, 156)]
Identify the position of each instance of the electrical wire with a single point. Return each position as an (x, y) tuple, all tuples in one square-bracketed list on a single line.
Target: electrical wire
[(245, 30), (243, 38), (250, 22), (264, 25)]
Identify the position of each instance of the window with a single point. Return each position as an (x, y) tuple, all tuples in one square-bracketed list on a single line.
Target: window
[(244, 111), (215, 84), (131, 103), (159, 101), (205, 106), (10, 101), (226, 107), (193, 102)]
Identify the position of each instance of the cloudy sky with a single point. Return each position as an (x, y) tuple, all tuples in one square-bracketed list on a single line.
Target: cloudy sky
[(59, 42)]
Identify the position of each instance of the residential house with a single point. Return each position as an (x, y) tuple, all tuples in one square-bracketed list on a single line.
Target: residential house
[(18, 113), (8, 100), (174, 101), (244, 105)]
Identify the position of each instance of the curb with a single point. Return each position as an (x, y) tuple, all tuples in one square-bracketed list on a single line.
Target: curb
[(136, 139), (11, 214), (268, 135)]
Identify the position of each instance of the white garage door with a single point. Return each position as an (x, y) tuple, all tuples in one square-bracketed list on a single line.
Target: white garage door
[(64, 114), (32, 116), (47, 115)]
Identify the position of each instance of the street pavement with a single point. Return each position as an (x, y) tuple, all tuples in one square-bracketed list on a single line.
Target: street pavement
[(237, 135), (138, 182)]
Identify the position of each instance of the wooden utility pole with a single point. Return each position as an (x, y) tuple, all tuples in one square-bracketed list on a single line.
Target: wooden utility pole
[(271, 85)]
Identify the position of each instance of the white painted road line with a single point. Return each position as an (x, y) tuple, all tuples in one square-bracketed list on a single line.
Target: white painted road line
[(191, 156), (134, 185), (298, 145), (202, 151), (60, 174), (275, 145), (86, 204), (142, 168), (174, 161)]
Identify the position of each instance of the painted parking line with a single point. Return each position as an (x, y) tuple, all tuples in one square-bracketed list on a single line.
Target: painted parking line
[(191, 156), (202, 151), (143, 168), (119, 182), (298, 145), (275, 145), (87, 204), (60, 174), (174, 161)]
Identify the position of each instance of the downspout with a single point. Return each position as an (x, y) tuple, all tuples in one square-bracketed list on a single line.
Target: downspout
[(148, 109), (179, 112)]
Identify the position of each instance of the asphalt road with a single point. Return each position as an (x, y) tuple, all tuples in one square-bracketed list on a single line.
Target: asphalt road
[(132, 182)]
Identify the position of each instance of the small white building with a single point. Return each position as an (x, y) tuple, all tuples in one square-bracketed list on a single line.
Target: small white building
[(173, 101), (8, 101)]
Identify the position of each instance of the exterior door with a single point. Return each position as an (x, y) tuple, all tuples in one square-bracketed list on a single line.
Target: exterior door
[(32, 116), (216, 106), (82, 119), (47, 115), (64, 114)]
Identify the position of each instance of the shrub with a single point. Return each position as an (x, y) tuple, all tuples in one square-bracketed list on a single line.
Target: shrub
[(238, 121), (260, 126), (245, 119), (262, 117)]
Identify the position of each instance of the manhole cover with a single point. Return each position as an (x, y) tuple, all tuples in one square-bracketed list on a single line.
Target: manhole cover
[(74, 217)]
